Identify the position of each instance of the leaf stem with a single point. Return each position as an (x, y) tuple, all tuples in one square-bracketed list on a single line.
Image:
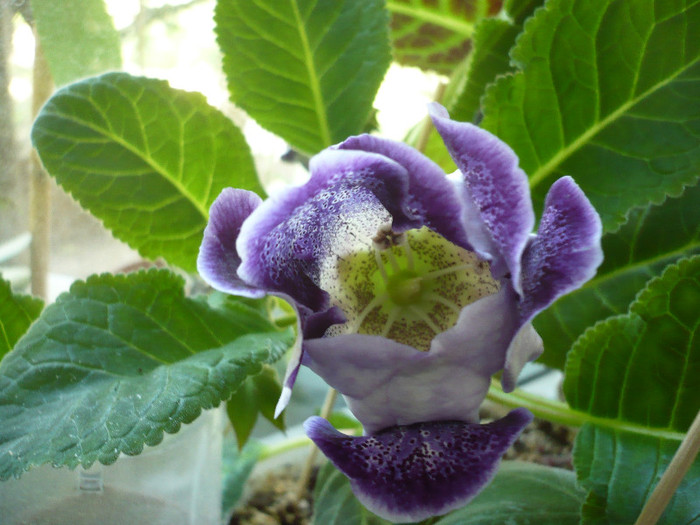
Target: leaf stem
[(326, 409), (681, 462), (562, 413)]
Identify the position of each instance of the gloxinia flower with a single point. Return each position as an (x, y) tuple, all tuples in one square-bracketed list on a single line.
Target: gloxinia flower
[(412, 289)]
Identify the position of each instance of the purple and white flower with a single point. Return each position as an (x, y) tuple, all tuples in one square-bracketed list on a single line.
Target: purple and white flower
[(412, 289)]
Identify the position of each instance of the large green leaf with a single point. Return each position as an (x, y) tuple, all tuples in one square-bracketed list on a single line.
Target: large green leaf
[(609, 93), (145, 158), (523, 494), (651, 238), (307, 70), (77, 37), (636, 374), (435, 36), (620, 470), (17, 312), (642, 367), (116, 362)]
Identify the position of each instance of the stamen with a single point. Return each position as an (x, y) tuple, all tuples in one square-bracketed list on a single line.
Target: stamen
[(392, 260), (440, 299), (393, 315), (374, 303), (424, 317), (446, 271), (380, 265), (407, 250)]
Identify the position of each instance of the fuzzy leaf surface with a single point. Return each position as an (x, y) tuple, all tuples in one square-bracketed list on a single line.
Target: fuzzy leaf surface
[(118, 361), (652, 238), (77, 37), (642, 367), (620, 470), (146, 159), (307, 70), (17, 313), (608, 93)]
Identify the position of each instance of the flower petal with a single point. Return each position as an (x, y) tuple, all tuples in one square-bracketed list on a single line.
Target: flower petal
[(565, 254), (433, 199), (497, 187), (410, 473), (291, 239), (387, 383), (566, 251), (218, 259)]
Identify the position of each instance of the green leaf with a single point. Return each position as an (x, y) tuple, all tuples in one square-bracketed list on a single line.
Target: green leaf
[(257, 395), (493, 39), (608, 93), (621, 469), (523, 494), (642, 367), (237, 466), (652, 238), (335, 504), (304, 69), (116, 362), (17, 313), (77, 37), (147, 159), (435, 36), (520, 10)]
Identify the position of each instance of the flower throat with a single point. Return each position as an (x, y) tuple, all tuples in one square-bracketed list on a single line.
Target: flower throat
[(408, 286)]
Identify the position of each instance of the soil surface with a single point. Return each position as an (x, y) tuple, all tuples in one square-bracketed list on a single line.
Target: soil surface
[(274, 499)]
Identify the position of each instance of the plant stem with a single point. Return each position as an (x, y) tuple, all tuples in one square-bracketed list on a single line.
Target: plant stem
[(563, 414), (309, 465), (40, 204), (427, 126), (681, 462)]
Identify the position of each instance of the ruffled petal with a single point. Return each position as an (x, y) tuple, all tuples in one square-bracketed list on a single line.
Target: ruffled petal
[(386, 383), (410, 473), (218, 260), (566, 251), (292, 239), (497, 187), (432, 198)]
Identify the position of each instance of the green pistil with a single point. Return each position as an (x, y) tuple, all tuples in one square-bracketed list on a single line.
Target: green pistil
[(404, 288)]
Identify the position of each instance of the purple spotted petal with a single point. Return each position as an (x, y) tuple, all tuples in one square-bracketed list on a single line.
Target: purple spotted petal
[(387, 383), (433, 199), (291, 239), (566, 251), (497, 187), (565, 254), (218, 259), (410, 473)]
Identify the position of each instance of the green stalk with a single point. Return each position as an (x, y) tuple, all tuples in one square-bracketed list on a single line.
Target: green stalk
[(562, 413)]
